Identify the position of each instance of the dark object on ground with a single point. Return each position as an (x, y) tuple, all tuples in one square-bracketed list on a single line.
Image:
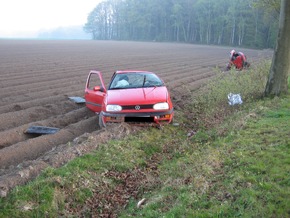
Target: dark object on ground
[(41, 130)]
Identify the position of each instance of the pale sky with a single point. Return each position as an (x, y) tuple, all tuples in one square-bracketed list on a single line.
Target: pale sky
[(24, 18)]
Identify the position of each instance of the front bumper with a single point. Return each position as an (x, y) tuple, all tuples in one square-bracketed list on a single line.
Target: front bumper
[(142, 117)]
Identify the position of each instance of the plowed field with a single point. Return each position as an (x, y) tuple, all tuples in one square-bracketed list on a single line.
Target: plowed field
[(37, 77)]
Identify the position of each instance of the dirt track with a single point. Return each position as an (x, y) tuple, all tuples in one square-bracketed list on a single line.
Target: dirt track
[(37, 77)]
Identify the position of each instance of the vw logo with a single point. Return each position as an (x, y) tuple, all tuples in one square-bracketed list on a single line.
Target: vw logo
[(137, 107)]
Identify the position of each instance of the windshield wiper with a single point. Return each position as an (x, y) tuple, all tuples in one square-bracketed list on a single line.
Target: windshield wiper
[(144, 80), (116, 88)]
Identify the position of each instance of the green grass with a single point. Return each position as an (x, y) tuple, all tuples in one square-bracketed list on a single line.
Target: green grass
[(236, 164)]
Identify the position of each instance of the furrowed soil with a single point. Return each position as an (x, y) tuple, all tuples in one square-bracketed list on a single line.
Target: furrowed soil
[(38, 77)]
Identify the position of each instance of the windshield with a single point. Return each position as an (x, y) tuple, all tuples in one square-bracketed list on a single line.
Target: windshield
[(135, 80)]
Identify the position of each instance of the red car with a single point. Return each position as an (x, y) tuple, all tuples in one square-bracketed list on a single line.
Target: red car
[(132, 96)]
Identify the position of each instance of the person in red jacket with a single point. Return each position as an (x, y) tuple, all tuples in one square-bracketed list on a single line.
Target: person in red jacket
[(238, 60)]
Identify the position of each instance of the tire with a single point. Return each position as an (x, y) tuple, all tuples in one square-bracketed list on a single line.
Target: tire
[(102, 123)]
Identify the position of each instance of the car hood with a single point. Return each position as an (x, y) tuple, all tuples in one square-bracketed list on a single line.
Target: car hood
[(137, 96)]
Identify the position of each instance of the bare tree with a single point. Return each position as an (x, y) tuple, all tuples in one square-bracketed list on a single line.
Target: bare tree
[(280, 68)]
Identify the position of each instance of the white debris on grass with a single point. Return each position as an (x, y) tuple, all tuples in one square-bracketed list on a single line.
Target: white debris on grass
[(234, 99)]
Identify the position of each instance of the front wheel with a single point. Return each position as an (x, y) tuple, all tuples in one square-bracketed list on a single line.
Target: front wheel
[(102, 122)]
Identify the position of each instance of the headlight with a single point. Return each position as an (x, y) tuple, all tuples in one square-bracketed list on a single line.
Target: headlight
[(161, 106), (112, 108)]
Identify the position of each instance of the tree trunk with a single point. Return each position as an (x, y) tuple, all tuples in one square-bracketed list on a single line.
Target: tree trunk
[(233, 32), (280, 68)]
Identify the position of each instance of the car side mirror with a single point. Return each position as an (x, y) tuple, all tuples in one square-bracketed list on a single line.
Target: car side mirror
[(98, 89)]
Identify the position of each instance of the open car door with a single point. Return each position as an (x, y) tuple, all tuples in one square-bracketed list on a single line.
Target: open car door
[(95, 91)]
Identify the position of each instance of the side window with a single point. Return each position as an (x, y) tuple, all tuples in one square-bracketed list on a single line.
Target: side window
[(94, 80)]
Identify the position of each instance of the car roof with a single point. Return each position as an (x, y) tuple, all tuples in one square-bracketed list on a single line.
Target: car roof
[(132, 71)]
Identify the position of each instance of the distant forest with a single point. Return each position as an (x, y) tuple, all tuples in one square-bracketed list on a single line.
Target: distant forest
[(219, 22)]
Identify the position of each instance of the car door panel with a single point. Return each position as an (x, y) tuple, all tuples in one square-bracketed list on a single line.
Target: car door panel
[(95, 91)]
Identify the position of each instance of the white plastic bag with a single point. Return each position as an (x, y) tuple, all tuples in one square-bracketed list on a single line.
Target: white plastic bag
[(234, 99)]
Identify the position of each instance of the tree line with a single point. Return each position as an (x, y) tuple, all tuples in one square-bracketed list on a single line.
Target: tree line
[(220, 22)]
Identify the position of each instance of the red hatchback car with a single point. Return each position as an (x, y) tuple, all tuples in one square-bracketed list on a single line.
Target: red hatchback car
[(132, 96)]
